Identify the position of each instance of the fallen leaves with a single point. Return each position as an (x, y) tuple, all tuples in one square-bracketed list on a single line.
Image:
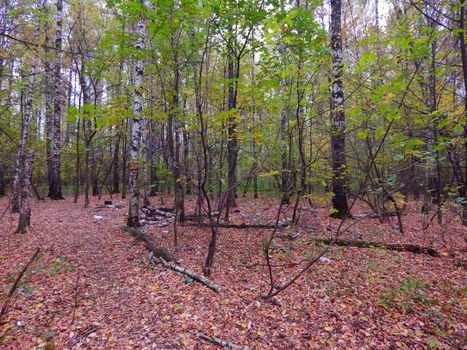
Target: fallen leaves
[(91, 269)]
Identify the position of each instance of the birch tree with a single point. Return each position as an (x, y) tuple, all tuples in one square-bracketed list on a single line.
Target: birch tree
[(339, 167), (136, 125)]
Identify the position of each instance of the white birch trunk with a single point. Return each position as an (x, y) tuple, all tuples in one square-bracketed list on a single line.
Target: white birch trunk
[(25, 125), (135, 135)]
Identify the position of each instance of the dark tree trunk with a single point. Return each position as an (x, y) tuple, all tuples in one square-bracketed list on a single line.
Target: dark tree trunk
[(339, 167), (48, 99), (464, 72), (285, 186), (94, 177), (2, 179)]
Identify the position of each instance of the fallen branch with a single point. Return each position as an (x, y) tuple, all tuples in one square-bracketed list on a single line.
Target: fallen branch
[(239, 226), (167, 259), (15, 285), (197, 277), (221, 342), (86, 332), (413, 248), (160, 253)]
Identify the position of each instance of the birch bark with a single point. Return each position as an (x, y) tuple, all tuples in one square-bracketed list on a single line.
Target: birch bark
[(339, 201), (135, 135)]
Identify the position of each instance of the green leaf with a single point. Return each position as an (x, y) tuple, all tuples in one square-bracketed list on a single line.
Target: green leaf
[(432, 343), (412, 143), (362, 134), (458, 129), (380, 131), (49, 334)]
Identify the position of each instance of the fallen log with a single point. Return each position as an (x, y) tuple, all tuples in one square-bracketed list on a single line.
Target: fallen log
[(239, 226), (221, 342), (413, 248), (168, 260)]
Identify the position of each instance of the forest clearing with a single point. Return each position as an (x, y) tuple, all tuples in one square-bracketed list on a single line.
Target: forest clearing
[(239, 174)]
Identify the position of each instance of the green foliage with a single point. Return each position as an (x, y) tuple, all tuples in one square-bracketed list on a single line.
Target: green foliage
[(407, 296)]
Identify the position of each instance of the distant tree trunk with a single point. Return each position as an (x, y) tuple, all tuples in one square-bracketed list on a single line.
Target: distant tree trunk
[(116, 167), (25, 193), (78, 165), (339, 167), (232, 144), (174, 126), (2, 179), (186, 167), (285, 187), (144, 156), (98, 91), (87, 126), (125, 160), (94, 177), (432, 172), (300, 126), (135, 136), (55, 190)]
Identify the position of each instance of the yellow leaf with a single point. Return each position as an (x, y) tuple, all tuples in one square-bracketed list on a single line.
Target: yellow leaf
[(261, 333), (244, 325)]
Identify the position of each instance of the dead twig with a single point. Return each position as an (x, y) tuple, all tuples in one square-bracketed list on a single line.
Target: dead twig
[(15, 285)]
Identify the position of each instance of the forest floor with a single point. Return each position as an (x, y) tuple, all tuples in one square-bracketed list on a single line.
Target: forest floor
[(94, 288)]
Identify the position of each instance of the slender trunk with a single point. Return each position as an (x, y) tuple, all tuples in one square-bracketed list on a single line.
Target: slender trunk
[(77, 167), (144, 156), (464, 72), (232, 145), (116, 173), (285, 171), (125, 160), (174, 130), (48, 99), (339, 167), (428, 85), (87, 126), (55, 190)]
